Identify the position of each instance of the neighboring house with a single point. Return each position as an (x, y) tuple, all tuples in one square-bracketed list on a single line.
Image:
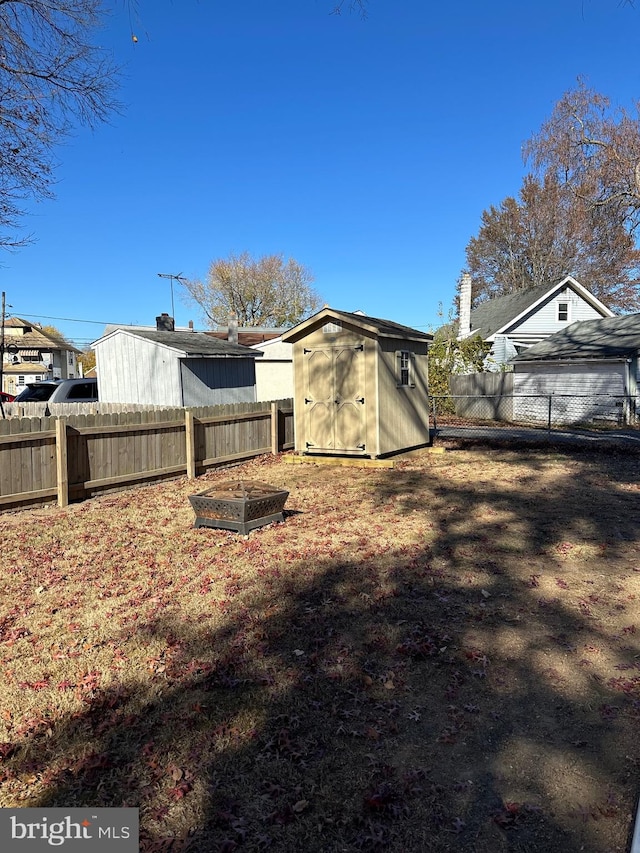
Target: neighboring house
[(515, 322), (274, 371), (248, 336), (360, 385), (169, 368), (30, 354), (589, 370)]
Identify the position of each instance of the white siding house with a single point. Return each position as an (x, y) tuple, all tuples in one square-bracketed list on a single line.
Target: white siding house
[(274, 371), (168, 368), (519, 320), (30, 354)]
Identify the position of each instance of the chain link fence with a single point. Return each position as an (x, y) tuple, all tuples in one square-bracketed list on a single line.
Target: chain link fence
[(535, 416)]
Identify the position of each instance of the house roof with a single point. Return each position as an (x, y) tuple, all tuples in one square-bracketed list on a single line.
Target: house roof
[(193, 344), (382, 328), (34, 339), (497, 315), (27, 368), (249, 337), (610, 337)]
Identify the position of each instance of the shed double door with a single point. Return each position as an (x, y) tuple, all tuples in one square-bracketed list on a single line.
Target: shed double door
[(334, 400)]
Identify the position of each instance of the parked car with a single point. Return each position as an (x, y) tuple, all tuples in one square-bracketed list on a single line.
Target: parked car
[(60, 391), (6, 397)]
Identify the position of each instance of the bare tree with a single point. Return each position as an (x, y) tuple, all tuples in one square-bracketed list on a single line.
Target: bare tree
[(359, 6), (52, 76), (594, 150), (268, 291), (548, 233)]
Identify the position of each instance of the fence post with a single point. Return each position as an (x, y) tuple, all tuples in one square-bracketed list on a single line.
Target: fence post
[(190, 438), (549, 419), (435, 425), (62, 471), (275, 445)]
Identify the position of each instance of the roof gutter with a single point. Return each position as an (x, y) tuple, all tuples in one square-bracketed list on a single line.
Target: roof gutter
[(617, 360)]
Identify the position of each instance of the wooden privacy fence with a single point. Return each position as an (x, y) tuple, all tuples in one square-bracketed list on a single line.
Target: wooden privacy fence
[(72, 457)]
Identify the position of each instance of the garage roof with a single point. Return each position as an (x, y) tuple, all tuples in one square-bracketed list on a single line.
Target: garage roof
[(610, 337)]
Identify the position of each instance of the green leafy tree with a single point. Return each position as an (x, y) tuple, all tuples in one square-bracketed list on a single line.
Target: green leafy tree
[(448, 357)]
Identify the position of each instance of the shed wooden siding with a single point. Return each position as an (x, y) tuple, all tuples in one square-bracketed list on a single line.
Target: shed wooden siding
[(134, 370), (348, 336), (217, 381), (544, 320), (393, 417), (403, 410)]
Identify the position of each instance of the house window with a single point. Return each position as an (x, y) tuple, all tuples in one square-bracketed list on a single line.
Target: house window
[(20, 380), (404, 360), (70, 359), (563, 312)]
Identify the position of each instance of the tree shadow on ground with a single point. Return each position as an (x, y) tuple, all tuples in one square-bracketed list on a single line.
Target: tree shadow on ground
[(443, 695)]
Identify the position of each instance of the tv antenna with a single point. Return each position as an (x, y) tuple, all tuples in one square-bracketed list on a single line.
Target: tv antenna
[(180, 279)]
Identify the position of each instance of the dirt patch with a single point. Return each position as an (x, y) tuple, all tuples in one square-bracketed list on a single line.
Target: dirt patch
[(443, 656)]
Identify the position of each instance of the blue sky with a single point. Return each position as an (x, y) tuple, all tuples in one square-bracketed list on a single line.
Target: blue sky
[(365, 149)]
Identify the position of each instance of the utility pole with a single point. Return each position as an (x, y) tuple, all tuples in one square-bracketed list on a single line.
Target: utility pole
[(179, 278)]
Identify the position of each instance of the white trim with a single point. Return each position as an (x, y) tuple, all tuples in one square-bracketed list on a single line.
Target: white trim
[(543, 362), (561, 300), (567, 281)]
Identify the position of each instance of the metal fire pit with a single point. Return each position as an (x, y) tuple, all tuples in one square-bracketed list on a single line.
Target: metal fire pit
[(239, 505)]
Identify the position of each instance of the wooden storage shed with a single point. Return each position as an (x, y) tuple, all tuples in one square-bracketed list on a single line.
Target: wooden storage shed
[(360, 385)]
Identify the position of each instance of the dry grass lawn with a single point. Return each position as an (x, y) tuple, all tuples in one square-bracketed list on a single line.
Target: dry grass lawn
[(440, 657)]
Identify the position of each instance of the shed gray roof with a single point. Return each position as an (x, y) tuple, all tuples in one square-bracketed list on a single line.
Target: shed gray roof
[(610, 337), (197, 344), (386, 327), (383, 328)]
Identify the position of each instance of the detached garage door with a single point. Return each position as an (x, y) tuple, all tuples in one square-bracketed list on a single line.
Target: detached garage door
[(577, 393)]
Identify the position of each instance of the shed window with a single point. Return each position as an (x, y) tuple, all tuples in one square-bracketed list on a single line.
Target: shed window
[(563, 312), (404, 368), (332, 328)]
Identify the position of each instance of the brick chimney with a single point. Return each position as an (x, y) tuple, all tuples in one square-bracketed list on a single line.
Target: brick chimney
[(464, 310), (165, 323)]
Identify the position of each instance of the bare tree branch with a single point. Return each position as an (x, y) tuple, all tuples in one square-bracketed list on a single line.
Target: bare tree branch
[(52, 76)]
